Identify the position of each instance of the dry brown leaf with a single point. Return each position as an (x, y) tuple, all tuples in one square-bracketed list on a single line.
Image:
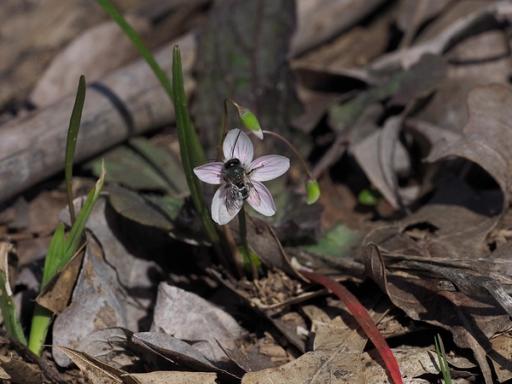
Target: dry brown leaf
[(58, 291), (188, 316), (487, 137), (438, 44), (31, 34), (94, 370), (320, 20), (412, 14), (167, 377), (502, 344), (20, 371), (340, 366), (472, 319), (355, 48), (381, 155), (99, 298)]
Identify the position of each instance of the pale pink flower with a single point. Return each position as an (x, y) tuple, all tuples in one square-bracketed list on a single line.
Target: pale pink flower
[(240, 178)]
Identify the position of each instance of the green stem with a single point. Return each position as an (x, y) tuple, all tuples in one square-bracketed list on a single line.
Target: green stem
[(243, 228), (41, 321), (247, 254)]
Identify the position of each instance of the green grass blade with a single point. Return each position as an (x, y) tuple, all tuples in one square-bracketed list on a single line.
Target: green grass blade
[(189, 154), (7, 306), (62, 248), (138, 43), (441, 359), (74, 126), (192, 152), (197, 156), (11, 322), (74, 236), (54, 255), (183, 122)]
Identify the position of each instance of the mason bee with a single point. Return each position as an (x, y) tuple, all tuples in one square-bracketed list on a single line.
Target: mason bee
[(234, 175)]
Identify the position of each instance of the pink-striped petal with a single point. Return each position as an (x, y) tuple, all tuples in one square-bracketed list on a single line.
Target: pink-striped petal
[(237, 145), (210, 173), (268, 167), (224, 206), (261, 199)]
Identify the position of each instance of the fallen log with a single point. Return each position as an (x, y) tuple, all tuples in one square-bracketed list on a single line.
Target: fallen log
[(127, 102)]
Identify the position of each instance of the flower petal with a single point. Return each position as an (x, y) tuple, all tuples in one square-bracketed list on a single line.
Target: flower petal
[(224, 206), (210, 173), (268, 167), (261, 199), (237, 145)]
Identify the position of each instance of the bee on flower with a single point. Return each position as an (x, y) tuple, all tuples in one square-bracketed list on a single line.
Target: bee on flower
[(240, 178)]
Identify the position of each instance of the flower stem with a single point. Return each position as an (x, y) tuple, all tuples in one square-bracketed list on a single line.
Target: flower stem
[(250, 259), (294, 150)]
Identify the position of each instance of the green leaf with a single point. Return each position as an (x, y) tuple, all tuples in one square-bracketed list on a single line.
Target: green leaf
[(71, 138), (313, 191), (7, 306), (441, 359), (54, 254), (136, 208), (189, 155), (168, 205), (62, 248), (367, 197), (164, 162), (335, 243), (127, 166), (74, 236)]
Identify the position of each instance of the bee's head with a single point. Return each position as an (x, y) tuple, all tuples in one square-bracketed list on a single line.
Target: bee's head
[(232, 163)]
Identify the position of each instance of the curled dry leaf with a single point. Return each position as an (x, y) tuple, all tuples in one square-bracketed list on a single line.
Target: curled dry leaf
[(437, 45), (57, 293), (487, 136), (435, 300), (94, 370), (188, 316), (380, 155)]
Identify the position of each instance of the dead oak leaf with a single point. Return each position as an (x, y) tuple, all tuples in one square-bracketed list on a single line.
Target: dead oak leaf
[(487, 136)]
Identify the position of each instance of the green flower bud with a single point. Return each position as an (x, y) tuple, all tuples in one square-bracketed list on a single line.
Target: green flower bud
[(313, 191)]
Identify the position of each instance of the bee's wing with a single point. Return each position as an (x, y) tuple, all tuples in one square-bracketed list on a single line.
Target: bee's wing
[(225, 204), (233, 201)]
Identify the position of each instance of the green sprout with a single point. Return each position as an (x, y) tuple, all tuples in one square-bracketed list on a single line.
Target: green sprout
[(441, 360), (64, 246)]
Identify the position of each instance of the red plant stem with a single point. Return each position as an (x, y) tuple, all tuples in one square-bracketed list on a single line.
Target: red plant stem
[(364, 320)]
